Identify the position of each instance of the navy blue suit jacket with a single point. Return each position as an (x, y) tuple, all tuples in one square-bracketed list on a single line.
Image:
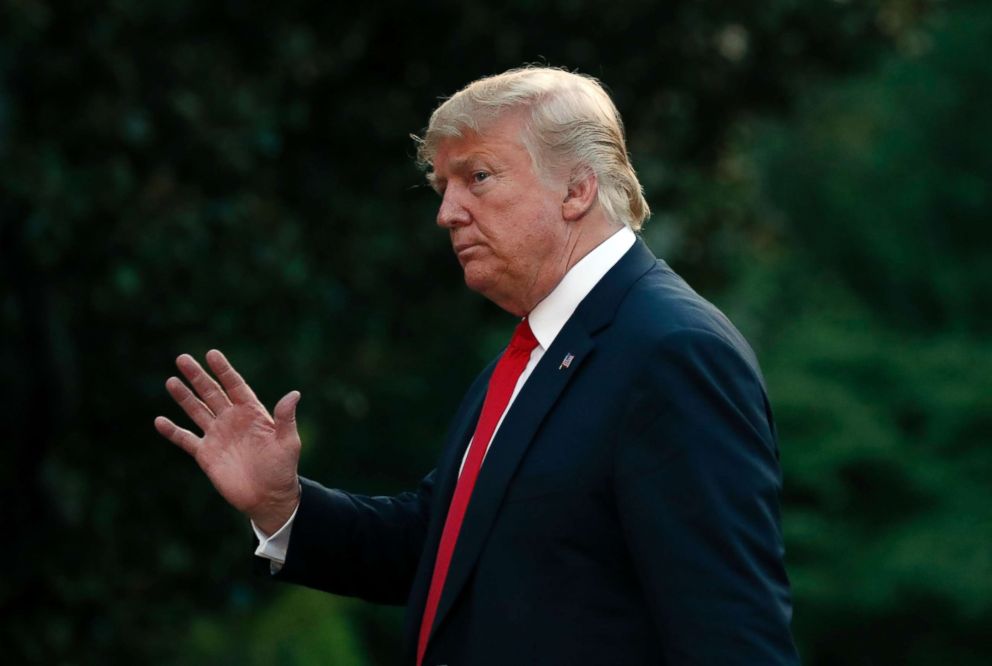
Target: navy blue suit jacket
[(627, 511)]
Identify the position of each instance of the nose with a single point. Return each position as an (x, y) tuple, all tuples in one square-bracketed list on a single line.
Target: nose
[(452, 213)]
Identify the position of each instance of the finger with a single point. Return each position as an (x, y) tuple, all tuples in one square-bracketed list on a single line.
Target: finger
[(194, 409), (181, 437), (237, 389), (285, 415), (206, 387)]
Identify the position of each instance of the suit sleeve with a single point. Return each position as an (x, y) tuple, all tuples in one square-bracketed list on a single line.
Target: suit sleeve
[(356, 545), (697, 485)]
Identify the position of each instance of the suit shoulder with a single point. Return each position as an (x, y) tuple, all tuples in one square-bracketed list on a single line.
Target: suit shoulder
[(661, 308)]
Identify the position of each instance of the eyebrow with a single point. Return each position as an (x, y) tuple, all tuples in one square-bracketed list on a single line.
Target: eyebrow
[(460, 163), (454, 166)]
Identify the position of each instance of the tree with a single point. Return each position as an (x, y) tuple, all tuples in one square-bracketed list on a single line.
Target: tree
[(876, 348)]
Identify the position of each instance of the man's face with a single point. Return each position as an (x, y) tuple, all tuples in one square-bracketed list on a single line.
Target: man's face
[(505, 221)]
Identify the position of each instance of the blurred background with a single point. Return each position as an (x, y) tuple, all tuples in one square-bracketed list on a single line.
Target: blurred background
[(179, 175)]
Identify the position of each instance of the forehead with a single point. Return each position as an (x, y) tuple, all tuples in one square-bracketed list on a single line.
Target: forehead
[(501, 140)]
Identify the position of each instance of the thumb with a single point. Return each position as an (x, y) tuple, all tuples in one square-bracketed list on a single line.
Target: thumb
[(285, 415)]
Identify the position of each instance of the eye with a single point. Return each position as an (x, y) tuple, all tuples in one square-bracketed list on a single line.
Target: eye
[(479, 176)]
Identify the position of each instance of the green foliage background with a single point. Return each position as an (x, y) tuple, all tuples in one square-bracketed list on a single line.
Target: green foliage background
[(178, 176)]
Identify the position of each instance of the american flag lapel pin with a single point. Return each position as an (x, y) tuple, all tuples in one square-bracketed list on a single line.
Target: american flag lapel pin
[(567, 361)]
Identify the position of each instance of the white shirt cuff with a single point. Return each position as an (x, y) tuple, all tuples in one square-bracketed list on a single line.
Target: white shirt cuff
[(274, 547)]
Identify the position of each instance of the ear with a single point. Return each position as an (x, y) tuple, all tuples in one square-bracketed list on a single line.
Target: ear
[(581, 194)]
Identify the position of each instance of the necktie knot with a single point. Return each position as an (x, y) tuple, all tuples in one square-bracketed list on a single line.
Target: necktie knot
[(523, 339)]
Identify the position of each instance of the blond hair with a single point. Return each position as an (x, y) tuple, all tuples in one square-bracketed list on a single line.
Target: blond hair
[(572, 124)]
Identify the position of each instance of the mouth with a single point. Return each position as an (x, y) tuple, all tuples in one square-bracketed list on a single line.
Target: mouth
[(462, 248)]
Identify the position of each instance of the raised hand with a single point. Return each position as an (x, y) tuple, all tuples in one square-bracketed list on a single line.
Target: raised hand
[(249, 456)]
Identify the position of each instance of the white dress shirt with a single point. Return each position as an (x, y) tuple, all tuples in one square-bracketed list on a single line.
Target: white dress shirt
[(546, 320)]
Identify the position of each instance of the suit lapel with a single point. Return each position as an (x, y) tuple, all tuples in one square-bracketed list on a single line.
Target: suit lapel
[(536, 398), (508, 447)]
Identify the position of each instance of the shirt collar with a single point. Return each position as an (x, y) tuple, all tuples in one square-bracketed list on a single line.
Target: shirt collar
[(550, 315)]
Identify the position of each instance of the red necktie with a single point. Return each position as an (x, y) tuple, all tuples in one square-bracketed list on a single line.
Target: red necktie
[(501, 385)]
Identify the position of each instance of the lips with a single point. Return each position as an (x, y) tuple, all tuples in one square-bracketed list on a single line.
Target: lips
[(462, 247)]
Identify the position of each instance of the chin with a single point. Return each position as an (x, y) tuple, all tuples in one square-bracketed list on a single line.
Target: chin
[(484, 283), (478, 281)]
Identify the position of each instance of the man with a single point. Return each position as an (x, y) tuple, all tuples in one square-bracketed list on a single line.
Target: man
[(608, 491)]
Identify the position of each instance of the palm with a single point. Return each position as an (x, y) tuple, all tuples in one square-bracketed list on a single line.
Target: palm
[(242, 456), (250, 457)]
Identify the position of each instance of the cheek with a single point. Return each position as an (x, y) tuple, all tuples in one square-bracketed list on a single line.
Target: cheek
[(520, 230), (544, 233)]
